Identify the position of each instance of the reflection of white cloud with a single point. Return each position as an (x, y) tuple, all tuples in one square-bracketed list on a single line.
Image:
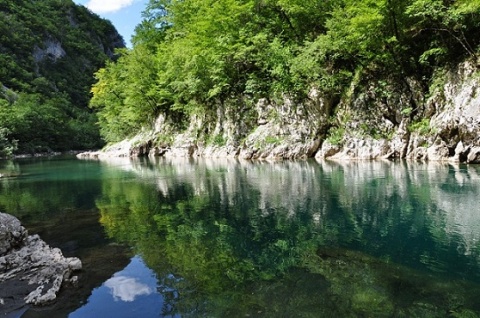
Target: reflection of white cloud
[(127, 288), (106, 6)]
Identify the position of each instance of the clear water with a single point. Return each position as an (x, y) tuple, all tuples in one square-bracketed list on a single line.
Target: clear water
[(227, 238)]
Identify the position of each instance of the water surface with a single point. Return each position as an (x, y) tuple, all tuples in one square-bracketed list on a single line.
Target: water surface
[(228, 238)]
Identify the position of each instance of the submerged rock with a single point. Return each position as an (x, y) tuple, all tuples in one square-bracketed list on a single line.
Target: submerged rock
[(31, 272)]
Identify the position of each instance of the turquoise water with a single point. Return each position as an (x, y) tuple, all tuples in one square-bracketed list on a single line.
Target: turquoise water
[(227, 238)]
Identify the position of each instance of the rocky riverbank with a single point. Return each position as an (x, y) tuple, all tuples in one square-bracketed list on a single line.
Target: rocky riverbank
[(31, 272), (383, 118)]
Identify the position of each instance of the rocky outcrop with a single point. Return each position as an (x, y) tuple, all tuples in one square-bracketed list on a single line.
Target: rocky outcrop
[(270, 130), (399, 124), (31, 272), (289, 130), (388, 118), (457, 120), (52, 50)]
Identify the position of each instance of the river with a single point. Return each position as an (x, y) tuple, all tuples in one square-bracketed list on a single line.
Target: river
[(228, 238)]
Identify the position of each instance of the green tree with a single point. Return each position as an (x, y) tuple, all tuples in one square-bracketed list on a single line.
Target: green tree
[(445, 28), (7, 147), (126, 95)]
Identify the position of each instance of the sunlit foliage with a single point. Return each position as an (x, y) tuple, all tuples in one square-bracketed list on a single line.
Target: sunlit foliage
[(190, 56)]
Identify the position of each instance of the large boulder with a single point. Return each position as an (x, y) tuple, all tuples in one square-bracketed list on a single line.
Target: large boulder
[(31, 272)]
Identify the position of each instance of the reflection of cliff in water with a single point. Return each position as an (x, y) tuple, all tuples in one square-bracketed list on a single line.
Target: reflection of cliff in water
[(407, 212), (230, 228)]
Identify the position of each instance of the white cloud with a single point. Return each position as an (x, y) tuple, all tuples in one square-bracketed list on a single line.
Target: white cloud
[(108, 6), (127, 288)]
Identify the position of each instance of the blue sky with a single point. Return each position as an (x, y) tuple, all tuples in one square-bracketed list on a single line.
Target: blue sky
[(124, 14)]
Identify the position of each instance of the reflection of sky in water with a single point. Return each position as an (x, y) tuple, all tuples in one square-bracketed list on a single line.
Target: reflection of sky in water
[(131, 292), (127, 288)]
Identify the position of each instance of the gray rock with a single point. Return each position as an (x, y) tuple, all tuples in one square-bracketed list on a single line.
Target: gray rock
[(12, 233), (474, 155), (460, 152), (52, 50), (327, 150), (356, 148), (31, 272), (438, 151)]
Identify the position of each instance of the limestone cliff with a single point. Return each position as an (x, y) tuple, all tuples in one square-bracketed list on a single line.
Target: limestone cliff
[(379, 117), (441, 125)]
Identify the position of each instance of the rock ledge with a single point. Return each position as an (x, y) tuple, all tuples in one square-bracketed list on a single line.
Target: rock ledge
[(31, 272)]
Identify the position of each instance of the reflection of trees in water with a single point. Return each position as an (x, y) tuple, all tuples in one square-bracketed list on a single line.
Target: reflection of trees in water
[(436, 200), (226, 225), (9, 168), (37, 189)]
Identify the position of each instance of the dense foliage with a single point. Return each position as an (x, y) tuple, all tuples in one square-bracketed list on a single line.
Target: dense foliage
[(49, 51), (190, 56)]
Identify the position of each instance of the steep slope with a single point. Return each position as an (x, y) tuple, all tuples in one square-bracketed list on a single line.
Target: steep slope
[(49, 51)]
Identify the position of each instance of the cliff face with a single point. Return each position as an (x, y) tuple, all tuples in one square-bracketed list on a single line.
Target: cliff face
[(442, 126), (387, 118)]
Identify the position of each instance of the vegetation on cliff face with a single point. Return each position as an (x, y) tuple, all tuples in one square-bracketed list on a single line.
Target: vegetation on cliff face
[(193, 58), (49, 51)]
